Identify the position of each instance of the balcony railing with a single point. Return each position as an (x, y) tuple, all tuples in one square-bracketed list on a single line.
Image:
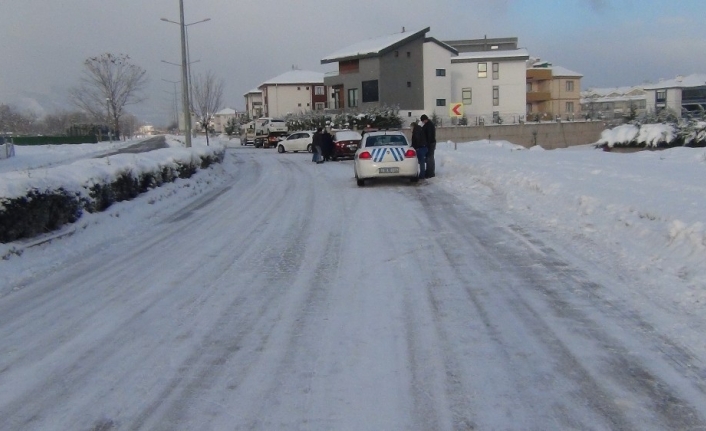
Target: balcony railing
[(538, 96)]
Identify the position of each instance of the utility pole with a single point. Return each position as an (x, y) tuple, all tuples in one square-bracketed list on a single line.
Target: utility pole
[(184, 78)]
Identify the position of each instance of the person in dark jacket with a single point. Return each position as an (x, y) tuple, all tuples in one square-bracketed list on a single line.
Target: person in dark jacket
[(327, 144), (317, 142), (430, 135), (419, 143)]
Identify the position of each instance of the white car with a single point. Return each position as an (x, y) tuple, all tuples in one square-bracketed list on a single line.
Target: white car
[(385, 155), (297, 141)]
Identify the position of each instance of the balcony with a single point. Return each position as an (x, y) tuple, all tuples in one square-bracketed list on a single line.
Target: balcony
[(538, 96), (539, 74)]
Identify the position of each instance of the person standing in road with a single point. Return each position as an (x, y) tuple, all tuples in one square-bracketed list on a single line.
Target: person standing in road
[(327, 144), (430, 136), (419, 143), (317, 143)]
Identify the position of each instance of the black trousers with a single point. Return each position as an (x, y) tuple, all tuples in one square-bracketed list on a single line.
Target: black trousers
[(431, 164)]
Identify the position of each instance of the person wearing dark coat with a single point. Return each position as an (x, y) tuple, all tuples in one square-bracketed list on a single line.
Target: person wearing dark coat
[(317, 142), (430, 135), (327, 144), (419, 143)]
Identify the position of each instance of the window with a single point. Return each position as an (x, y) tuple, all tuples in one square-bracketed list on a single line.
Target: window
[(440, 102), (319, 90), (299, 88), (319, 106), (307, 88), (440, 72), (529, 87), (569, 85), (661, 96), (299, 105), (370, 91), (569, 106), (409, 84), (529, 108), (496, 96), (352, 97), (482, 70), (397, 53), (467, 96), (496, 70), (409, 54)]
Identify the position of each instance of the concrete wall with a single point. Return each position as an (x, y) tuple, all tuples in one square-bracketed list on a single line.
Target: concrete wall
[(547, 135)]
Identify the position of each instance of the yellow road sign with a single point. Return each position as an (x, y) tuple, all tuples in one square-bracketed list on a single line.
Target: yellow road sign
[(456, 110)]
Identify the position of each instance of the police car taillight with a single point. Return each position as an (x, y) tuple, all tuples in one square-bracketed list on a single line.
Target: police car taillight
[(365, 155), (410, 153)]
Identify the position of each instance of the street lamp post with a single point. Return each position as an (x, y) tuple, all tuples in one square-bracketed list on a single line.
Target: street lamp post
[(186, 84)]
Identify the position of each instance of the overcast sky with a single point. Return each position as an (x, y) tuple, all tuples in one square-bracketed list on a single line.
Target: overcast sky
[(43, 43)]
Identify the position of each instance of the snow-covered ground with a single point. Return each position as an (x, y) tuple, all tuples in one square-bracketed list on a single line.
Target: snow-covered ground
[(518, 289)]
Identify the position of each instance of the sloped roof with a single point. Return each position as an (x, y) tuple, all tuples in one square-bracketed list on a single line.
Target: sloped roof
[(226, 111), (509, 54), (253, 91), (373, 47), (441, 44), (296, 77), (562, 71), (695, 80)]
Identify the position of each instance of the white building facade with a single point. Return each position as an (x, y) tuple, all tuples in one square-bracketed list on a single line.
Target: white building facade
[(684, 93), (293, 92), (253, 103), (491, 85)]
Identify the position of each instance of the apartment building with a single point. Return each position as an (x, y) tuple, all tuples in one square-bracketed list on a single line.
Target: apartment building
[(683, 93), (553, 92), (614, 103), (253, 103), (293, 92)]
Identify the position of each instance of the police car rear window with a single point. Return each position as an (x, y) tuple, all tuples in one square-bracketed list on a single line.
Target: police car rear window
[(385, 140)]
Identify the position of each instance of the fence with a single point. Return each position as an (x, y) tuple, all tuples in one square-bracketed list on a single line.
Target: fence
[(549, 135), (54, 140)]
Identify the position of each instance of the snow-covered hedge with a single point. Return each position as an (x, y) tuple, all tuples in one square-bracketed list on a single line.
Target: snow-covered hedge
[(380, 118), (690, 133), (38, 201)]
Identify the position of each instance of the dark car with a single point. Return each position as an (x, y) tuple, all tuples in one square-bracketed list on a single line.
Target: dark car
[(345, 144)]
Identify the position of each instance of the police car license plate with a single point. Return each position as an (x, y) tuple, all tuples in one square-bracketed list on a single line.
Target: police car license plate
[(389, 170)]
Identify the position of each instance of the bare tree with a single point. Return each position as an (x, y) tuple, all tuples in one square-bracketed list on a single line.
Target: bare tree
[(16, 122), (110, 82), (207, 100)]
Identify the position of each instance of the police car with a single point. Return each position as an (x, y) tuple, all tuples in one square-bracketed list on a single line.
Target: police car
[(385, 155)]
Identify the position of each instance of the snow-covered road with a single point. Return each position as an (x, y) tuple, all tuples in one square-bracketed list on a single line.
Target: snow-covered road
[(290, 299)]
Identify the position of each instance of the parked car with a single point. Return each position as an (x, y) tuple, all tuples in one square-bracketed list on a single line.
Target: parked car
[(345, 144), (385, 155), (297, 141)]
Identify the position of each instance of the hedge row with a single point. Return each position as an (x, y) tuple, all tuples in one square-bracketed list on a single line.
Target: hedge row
[(40, 212)]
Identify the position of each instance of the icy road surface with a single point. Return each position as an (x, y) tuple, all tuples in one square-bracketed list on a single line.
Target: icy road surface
[(290, 299)]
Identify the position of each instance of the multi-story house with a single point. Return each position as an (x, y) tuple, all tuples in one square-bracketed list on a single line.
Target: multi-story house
[(684, 93), (253, 103), (385, 70), (617, 103), (491, 85), (420, 74), (553, 92), (221, 118), (293, 92)]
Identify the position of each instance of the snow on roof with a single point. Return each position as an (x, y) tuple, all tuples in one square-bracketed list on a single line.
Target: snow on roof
[(695, 80), (226, 111), (562, 71), (519, 54), (372, 47), (296, 77), (614, 92), (253, 91)]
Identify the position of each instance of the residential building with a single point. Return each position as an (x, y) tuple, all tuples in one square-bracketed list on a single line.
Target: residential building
[(684, 93), (253, 103), (553, 92), (386, 70), (221, 118), (616, 103), (491, 85), (293, 92), (420, 74)]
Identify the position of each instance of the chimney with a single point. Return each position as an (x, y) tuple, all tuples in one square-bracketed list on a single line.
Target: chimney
[(403, 29)]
